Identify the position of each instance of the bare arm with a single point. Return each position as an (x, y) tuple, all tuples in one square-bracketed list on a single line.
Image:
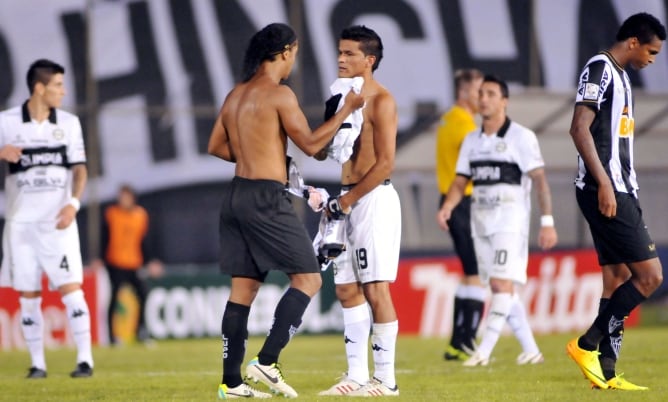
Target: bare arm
[(219, 141), (583, 116), (79, 179), (296, 126), (385, 122), (68, 212), (547, 237), (452, 199)]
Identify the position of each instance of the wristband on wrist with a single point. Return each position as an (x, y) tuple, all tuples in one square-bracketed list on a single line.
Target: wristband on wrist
[(75, 203), (546, 221)]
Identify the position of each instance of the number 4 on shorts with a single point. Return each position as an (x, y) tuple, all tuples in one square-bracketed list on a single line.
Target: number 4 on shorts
[(64, 265)]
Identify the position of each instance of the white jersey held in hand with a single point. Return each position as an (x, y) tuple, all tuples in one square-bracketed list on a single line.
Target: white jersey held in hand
[(341, 147)]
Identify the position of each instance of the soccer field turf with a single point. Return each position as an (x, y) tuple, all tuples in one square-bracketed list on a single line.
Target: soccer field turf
[(189, 370)]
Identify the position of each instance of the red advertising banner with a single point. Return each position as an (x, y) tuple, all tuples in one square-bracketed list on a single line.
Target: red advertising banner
[(56, 326), (561, 294)]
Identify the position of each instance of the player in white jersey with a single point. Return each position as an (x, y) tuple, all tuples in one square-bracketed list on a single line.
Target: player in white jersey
[(372, 212), (502, 159), (47, 174), (606, 192)]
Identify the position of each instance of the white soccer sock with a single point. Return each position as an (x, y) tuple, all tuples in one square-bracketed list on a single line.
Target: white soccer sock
[(384, 341), (32, 324), (496, 318), (517, 319), (475, 292), (462, 291), (357, 325), (79, 318)]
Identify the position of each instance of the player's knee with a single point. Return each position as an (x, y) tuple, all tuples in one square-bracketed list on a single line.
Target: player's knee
[(653, 281), (377, 293), (69, 288), (649, 282), (307, 283), (349, 294)]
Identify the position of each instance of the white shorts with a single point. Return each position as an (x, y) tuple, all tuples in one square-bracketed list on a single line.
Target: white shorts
[(502, 256), (373, 239), (32, 248)]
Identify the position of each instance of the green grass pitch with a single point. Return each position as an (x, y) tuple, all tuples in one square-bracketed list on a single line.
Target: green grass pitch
[(189, 370)]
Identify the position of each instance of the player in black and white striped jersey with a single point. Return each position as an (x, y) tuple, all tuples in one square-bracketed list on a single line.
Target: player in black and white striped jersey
[(606, 191)]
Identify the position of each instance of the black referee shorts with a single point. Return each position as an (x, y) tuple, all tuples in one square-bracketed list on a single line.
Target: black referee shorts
[(260, 231), (459, 226), (619, 240)]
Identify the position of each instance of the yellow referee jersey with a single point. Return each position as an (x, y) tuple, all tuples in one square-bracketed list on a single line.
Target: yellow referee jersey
[(456, 123)]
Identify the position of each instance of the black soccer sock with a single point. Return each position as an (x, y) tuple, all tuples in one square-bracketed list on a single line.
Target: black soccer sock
[(621, 303), (458, 322), (474, 311), (234, 329), (287, 318), (608, 357)]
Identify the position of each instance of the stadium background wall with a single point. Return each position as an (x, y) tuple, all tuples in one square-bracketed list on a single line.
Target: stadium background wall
[(561, 295)]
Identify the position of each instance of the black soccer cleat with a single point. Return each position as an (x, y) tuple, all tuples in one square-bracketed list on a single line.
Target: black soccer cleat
[(34, 372), (82, 370)]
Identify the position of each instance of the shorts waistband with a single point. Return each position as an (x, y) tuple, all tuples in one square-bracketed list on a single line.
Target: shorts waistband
[(347, 187)]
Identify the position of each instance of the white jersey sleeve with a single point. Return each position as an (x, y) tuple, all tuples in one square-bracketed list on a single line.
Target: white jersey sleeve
[(76, 151), (463, 167), (529, 156), (594, 80)]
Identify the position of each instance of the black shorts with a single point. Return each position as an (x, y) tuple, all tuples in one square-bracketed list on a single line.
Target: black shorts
[(622, 239), (459, 226), (260, 231)]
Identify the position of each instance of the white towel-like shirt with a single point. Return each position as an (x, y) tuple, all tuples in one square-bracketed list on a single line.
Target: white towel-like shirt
[(341, 148)]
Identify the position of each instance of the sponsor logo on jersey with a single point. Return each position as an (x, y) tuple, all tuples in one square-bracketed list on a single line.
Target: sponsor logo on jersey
[(486, 173), (42, 156), (491, 172)]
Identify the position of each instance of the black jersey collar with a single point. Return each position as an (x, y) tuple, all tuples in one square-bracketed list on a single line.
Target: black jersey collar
[(26, 114), (502, 131), (612, 59)]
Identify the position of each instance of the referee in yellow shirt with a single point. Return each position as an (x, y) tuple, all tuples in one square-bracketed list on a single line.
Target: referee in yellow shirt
[(456, 123)]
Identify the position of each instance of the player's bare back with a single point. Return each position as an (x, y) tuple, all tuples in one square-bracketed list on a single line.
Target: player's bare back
[(258, 142)]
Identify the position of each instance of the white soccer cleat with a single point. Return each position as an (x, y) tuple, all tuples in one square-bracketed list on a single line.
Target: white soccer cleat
[(271, 376), (476, 360), (240, 391), (374, 388), (530, 358), (343, 387)]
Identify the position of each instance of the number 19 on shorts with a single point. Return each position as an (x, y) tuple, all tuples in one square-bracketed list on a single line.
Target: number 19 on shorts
[(361, 256)]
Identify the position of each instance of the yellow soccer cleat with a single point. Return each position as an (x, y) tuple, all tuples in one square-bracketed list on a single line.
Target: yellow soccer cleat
[(271, 376), (588, 363), (241, 391), (452, 353), (619, 382)]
